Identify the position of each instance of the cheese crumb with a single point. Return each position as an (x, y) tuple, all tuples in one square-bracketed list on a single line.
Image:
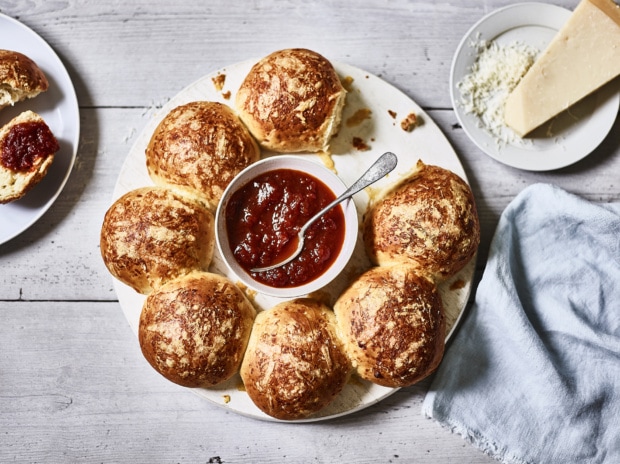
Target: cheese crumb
[(358, 117), (496, 71), (347, 83)]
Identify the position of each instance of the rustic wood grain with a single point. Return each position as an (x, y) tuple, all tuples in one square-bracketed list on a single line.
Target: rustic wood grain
[(75, 388), (73, 384)]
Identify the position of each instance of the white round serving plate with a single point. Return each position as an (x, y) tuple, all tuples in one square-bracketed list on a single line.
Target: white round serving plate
[(561, 142), (381, 132), (59, 108)]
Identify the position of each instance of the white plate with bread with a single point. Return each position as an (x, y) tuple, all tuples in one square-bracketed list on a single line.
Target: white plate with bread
[(58, 107), (376, 118)]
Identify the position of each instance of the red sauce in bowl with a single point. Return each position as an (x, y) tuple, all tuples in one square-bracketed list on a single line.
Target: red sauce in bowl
[(265, 215)]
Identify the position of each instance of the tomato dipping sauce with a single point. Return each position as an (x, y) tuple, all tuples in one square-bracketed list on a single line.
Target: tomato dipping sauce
[(26, 142), (265, 215)]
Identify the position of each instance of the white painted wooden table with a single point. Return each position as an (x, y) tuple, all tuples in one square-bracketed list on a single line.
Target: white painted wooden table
[(73, 384)]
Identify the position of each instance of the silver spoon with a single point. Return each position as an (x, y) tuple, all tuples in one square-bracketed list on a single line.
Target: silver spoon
[(385, 164)]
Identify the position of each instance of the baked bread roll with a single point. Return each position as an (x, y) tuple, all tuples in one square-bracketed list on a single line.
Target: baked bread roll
[(27, 150), (294, 365), (20, 78), (430, 219), (152, 235), (195, 329), (199, 147), (292, 101), (393, 325)]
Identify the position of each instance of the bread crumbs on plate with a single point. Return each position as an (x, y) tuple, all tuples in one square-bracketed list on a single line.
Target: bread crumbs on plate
[(360, 144), (218, 81), (409, 123)]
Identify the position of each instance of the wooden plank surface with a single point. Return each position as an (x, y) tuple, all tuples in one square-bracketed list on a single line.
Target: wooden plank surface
[(70, 229), (75, 388), (73, 385)]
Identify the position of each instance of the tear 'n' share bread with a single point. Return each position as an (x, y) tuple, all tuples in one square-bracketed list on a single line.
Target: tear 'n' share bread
[(20, 78), (152, 235), (199, 147), (392, 321), (194, 330), (27, 150), (292, 100), (198, 329), (295, 364), (430, 219)]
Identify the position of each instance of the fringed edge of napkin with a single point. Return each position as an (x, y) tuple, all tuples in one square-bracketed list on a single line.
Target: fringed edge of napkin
[(488, 447)]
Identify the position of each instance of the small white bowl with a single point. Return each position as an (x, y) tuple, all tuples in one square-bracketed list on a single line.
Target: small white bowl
[(298, 163)]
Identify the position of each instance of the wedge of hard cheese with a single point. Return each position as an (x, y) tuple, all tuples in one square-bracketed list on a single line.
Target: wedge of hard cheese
[(584, 55)]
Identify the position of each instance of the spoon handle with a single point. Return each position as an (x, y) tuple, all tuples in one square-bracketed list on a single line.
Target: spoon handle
[(384, 164)]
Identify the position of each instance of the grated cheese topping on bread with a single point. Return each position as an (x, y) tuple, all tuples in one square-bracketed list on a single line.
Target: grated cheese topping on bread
[(20, 78)]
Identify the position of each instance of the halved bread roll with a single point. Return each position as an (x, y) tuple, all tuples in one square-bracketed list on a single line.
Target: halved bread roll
[(27, 150), (152, 235), (430, 220), (20, 78), (199, 147), (295, 364), (194, 330), (292, 101), (393, 325)]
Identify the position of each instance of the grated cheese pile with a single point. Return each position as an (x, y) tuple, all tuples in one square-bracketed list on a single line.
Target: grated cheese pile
[(497, 70)]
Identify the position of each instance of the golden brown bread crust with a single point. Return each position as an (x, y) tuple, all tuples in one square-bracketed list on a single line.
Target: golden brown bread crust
[(430, 220), (393, 325), (292, 101), (152, 235), (200, 147), (294, 364), (194, 330), (20, 78), (14, 184)]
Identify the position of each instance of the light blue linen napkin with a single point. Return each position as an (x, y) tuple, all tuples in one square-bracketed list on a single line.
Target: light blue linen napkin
[(533, 373)]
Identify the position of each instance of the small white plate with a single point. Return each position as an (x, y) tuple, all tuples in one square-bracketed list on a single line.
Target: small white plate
[(382, 132), (574, 134), (59, 108)]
